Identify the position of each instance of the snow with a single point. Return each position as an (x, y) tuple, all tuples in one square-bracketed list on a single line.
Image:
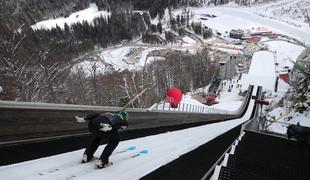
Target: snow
[(166, 147), (230, 101), (186, 49), (84, 15), (262, 71), (166, 19), (188, 104), (155, 20), (119, 58), (188, 40), (115, 56), (231, 46), (246, 18), (282, 86), (90, 67), (228, 50), (154, 58), (228, 106), (262, 64), (284, 52), (143, 60), (290, 118), (288, 11), (162, 149)]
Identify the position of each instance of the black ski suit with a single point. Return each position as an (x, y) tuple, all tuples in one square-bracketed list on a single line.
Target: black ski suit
[(111, 137)]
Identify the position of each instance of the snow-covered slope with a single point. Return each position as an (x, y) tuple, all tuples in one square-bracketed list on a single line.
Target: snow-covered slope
[(289, 11), (228, 18), (84, 15), (285, 53), (262, 71)]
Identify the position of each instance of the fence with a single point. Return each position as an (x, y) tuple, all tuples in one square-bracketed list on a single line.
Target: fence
[(184, 107), (265, 125)]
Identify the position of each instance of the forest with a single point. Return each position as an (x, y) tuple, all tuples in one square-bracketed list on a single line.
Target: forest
[(35, 65), (18, 12)]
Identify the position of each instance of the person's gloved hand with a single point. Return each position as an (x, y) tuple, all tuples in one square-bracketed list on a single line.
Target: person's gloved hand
[(79, 119), (105, 127)]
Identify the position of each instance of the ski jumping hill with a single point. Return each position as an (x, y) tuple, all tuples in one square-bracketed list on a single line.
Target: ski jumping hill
[(262, 71), (132, 159)]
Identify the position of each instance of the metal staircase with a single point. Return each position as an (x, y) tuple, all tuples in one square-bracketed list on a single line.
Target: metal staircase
[(257, 156)]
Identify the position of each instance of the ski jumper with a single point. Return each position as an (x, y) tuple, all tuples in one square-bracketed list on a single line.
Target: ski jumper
[(111, 137)]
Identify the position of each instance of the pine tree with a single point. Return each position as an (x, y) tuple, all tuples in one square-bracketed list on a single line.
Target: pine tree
[(159, 27)]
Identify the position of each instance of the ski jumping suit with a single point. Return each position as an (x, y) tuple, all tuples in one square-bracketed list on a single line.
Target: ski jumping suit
[(111, 137)]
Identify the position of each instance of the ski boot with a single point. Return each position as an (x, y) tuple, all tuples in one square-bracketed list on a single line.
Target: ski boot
[(100, 164), (86, 158)]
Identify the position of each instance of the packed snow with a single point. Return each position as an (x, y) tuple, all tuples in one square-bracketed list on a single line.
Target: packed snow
[(84, 15), (262, 71), (229, 98), (119, 57)]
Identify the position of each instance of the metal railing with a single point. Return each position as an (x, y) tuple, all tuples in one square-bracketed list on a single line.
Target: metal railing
[(184, 107), (210, 172), (255, 111), (265, 126)]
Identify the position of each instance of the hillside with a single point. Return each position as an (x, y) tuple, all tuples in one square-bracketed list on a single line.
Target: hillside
[(291, 12), (122, 45), (17, 12)]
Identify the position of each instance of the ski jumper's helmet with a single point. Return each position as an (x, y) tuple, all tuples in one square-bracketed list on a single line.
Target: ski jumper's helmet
[(123, 115)]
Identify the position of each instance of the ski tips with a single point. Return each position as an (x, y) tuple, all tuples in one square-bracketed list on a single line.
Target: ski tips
[(143, 152), (131, 148)]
